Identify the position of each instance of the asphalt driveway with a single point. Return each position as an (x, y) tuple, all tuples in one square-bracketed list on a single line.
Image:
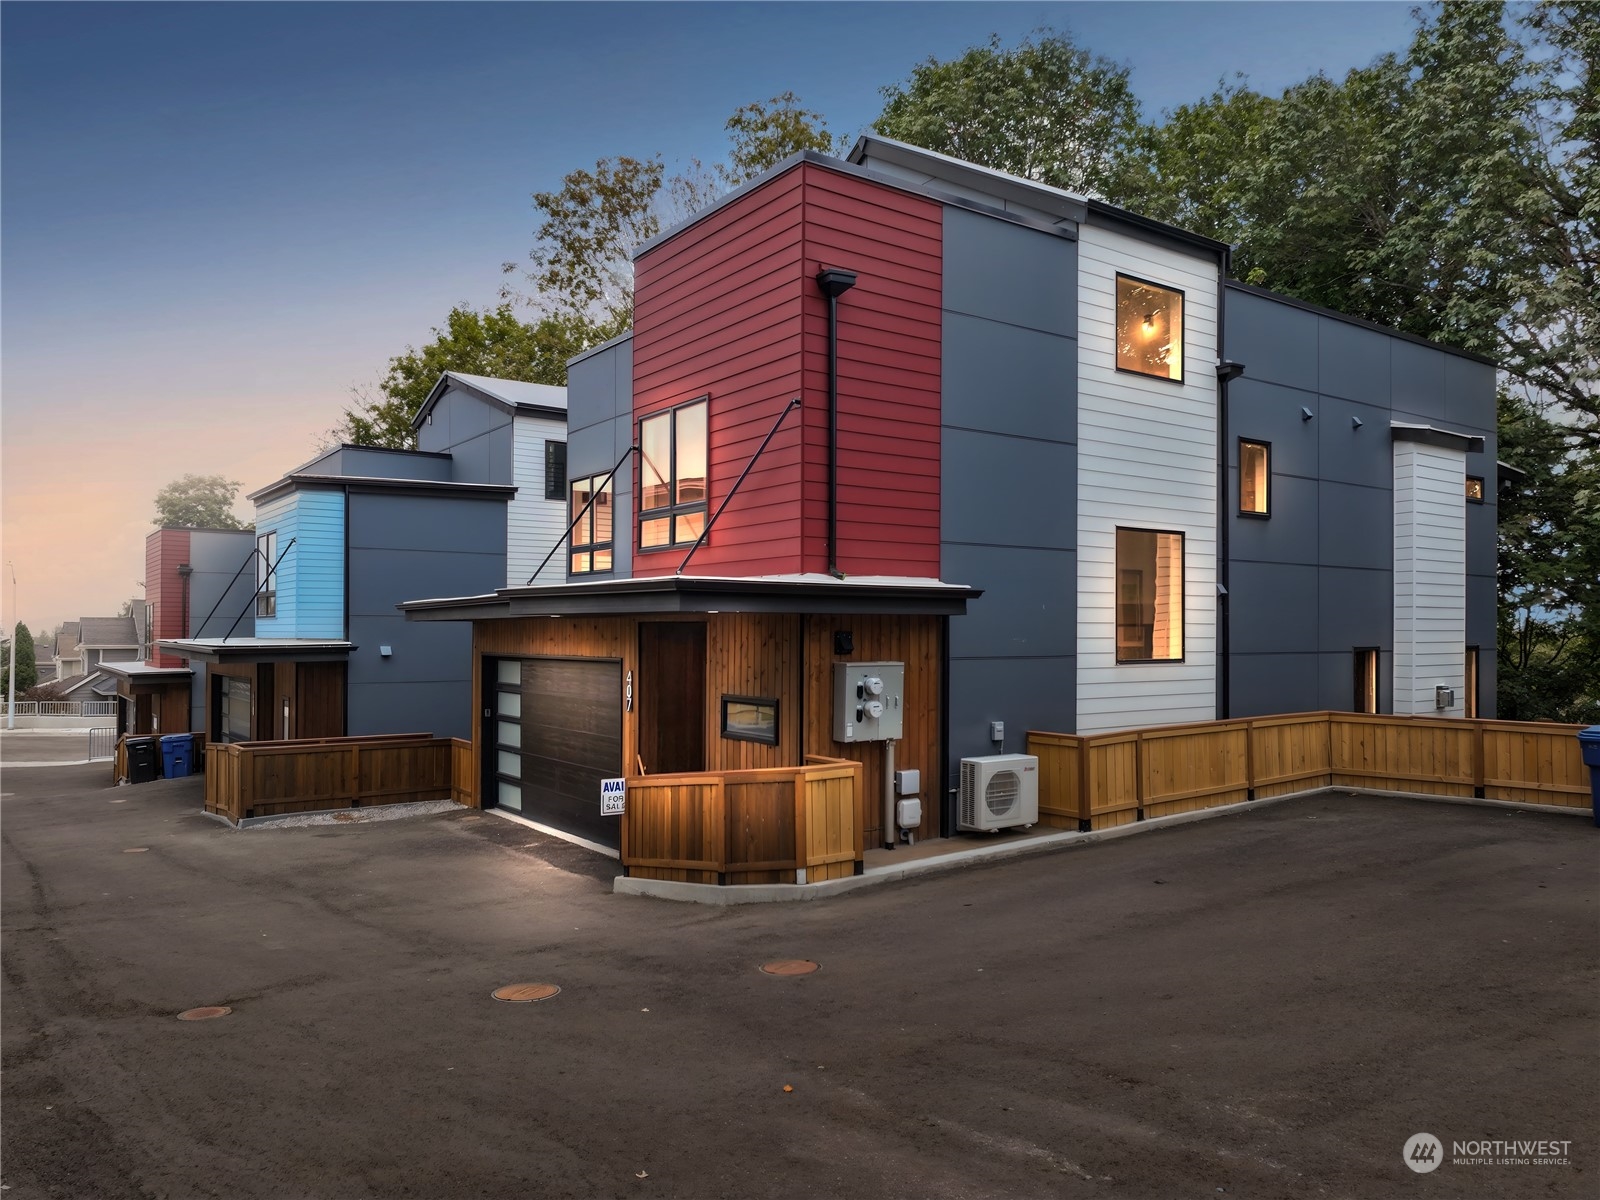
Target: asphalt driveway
[(1265, 1004)]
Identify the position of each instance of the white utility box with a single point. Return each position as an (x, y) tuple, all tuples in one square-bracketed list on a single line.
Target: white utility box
[(868, 701)]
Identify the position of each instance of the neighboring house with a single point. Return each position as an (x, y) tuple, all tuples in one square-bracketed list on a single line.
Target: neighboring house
[(338, 543), (69, 659), (1025, 485), (109, 639), (44, 661)]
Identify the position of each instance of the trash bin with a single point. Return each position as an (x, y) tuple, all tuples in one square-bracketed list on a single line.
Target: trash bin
[(177, 752), (1589, 739), (144, 762)]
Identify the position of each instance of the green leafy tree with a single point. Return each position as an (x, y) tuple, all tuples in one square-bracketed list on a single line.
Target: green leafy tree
[(494, 343), (1045, 109), (763, 134), (27, 668), (198, 502)]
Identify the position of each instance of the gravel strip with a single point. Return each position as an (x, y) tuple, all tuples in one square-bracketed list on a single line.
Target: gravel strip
[(355, 816)]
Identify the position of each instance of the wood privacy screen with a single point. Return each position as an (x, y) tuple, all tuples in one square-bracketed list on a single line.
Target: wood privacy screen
[(759, 826), (1105, 780), (260, 779)]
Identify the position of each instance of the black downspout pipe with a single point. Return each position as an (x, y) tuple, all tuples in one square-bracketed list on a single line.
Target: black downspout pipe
[(1227, 371), (834, 283)]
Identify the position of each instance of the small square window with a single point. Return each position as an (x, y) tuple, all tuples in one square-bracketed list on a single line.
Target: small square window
[(1255, 478), (1149, 328), (1149, 599), (1475, 489), (750, 719)]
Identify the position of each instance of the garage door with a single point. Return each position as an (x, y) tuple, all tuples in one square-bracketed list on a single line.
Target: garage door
[(557, 732)]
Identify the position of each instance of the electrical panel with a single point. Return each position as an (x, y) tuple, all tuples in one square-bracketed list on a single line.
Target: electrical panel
[(868, 701)]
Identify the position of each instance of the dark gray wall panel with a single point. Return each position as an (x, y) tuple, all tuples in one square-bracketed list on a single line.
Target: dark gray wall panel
[(1274, 608), (1419, 374), (1488, 681), (1268, 684), (1028, 608), (1006, 272), (1469, 394), (1353, 363), (1482, 552), (1008, 379), (442, 709), (1347, 454), (1025, 693), (1356, 608), (1289, 535), (590, 392), (381, 579), (1008, 491), (1357, 527), (217, 559), (1336, 676), (1270, 413), (384, 464), (1482, 598), (1276, 342), (406, 692), (453, 523)]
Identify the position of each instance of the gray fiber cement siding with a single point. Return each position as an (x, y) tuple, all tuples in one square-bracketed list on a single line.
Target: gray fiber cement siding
[(405, 548), (1315, 580), (475, 432), (599, 432), (1008, 502), (219, 584)]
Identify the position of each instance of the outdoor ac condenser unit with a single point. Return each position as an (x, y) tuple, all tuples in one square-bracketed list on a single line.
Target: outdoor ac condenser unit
[(998, 792)]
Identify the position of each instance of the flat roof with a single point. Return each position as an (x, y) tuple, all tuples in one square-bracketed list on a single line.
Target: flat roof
[(139, 670), (384, 483), (254, 649), (802, 593)]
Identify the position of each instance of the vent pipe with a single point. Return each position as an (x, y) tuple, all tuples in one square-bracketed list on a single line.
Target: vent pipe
[(834, 283)]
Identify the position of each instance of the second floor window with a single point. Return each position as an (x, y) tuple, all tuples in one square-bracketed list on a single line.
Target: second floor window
[(266, 575), (1254, 477), (555, 470), (591, 537), (1149, 328), (672, 476)]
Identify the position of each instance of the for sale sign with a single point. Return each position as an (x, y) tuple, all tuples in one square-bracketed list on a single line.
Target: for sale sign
[(613, 797)]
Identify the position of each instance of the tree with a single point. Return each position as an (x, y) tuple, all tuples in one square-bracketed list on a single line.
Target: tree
[(27, 668), (762, 135), (493, 343), (198, 502), (1045, 110)]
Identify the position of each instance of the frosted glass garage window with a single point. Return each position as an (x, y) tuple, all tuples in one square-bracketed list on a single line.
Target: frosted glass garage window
[(1149, 328), (1149, 596)]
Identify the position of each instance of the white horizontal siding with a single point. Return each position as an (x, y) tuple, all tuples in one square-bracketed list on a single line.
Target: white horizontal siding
[(1430, 577), (1146, 460), (533, 524)]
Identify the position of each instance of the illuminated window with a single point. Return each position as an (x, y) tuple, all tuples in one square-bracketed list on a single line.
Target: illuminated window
[(1472, 682), (1149, 598), (1475, 489), (1149, 328), (266, 576), (1366, 700), (555, 470), (672, 476), (1255, 477), (750, 719), (591, 537)]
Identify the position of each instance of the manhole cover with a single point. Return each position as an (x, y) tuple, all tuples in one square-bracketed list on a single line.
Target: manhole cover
[(525, 993), (136, 850), (207, 1013), (789, 966)]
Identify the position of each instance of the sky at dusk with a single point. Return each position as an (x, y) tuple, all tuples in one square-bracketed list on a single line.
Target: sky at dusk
[(215, 220)]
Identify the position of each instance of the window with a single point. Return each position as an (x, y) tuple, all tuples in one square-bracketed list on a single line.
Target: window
[(750, 719), (1255, 478), (1366, 679), (555, 470), (1475, 489), (1149, 598), (591, 537), (672, 476), (266, 575), (1149, 328), (1471, 700)]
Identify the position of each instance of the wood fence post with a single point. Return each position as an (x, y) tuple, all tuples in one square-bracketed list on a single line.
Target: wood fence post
[(355, 775), (1249, 760), (802, 788), (1085, 807), (1138, 776)]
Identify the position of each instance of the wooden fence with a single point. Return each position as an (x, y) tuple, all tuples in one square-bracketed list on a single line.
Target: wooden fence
[(773, 825), (1099, 781), (260, 779)]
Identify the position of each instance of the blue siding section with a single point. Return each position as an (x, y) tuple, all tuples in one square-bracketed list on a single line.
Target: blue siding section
[(311, 575)]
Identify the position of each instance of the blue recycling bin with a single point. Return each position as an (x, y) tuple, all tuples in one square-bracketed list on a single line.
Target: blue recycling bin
[(1589, 739), (177, 752)]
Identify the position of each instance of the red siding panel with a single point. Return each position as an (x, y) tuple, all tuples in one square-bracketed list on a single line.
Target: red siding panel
[(164, 551), (730, 308)]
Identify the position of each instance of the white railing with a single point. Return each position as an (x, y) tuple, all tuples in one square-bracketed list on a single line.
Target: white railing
[(62, 708)]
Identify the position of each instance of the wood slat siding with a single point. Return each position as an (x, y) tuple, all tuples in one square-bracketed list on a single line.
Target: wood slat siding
[(1099, 780), (165, 551), (753, 654), (1146, 459), (260, 779)]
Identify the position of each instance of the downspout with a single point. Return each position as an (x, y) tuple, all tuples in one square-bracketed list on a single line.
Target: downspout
[(185, 572), (1227, 371), (834, 283)]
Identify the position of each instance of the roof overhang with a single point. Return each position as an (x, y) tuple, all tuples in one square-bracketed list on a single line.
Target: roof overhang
[(246, 650), (139, 672), (666, 594), (449, 379), (382, 483), (1432, 435)]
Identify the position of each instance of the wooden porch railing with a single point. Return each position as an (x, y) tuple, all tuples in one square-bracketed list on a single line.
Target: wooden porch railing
[(1097, 781), (259, 779), (777, 825)]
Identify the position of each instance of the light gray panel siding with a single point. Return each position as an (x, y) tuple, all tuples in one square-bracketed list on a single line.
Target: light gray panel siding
[(1267, 684), (1274, 608), (1007, 379), (1356, 527), (1353, 363), (1027, 608), (1276, 342), (1007, 491), (1005, 272)]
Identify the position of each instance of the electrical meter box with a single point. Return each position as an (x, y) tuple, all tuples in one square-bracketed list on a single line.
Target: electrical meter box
[(869, 700)]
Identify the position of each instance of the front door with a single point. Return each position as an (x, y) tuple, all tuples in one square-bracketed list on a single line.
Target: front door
[(672, 696)]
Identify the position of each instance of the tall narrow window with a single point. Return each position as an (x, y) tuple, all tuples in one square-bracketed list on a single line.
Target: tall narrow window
[(1149, 596), (1471, 699), (1366, 700), (555, 470), (1255, 478), (591, 537), (266, 575), (672, 476), (1149, 328)]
